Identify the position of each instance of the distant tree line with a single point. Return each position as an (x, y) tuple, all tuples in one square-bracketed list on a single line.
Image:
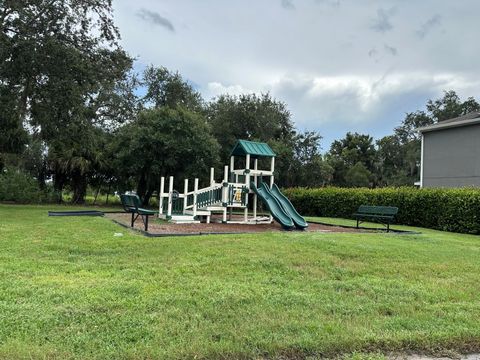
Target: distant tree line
[(75, 117), (394, 160)]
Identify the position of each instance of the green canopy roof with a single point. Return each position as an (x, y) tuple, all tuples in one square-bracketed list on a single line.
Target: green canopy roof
[(255, 149)]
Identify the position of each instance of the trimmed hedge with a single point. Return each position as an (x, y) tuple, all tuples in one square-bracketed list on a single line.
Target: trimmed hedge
[(456, 210)]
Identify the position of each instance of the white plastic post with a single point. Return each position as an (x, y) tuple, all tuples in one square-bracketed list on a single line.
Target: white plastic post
[(212, 176), (225, 173), (247, 183), (185, 192), (225, 193), (195, 190), (272, 169), (234, 178), (422, 152), (255, 167), (160, 202), (170, 194)]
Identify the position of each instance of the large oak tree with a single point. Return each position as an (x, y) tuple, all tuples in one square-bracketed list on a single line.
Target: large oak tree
[(60, 66)]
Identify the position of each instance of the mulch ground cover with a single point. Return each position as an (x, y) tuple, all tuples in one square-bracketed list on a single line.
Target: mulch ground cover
[(155, 227)]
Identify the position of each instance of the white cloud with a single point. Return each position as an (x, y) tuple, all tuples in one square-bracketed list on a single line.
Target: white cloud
[(215, 89), (325, 62), (353, 99)]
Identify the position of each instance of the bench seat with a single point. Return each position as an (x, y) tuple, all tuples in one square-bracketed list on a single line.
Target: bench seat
[(373, 216), (140, 211), (382, 214), (131, 204)]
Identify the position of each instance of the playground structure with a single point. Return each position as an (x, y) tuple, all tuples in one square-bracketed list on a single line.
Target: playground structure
[(232, 193)]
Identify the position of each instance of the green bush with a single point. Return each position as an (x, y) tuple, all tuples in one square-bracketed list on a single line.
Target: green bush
[(19, 187), (455, 210)]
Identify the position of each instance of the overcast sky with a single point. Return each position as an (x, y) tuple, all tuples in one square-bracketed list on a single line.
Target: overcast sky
[(340, 65)]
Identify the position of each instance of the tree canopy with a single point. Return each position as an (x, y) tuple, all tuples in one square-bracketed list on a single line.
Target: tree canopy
[(75, 116), (60, 63), (161, 142)]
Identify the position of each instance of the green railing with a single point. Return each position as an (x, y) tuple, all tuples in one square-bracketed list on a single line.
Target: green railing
[(177, 206), (209, 197), (189, 200), (236, 195)]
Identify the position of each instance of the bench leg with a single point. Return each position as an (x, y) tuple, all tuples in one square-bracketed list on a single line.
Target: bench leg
[(357, 223), (145, 221), (133, 219), (388, 227)]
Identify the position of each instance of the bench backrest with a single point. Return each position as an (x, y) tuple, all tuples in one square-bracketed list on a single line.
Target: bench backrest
[(130, 202), (378, 210)]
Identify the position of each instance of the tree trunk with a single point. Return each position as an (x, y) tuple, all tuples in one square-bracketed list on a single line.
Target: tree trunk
[(146, 198), (96, 195), (58, 182), (108, 193), (142, 185), (41, 176), (79, 187)]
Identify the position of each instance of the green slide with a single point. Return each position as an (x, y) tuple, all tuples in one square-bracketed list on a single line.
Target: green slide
[(273, 205), (299, 221)]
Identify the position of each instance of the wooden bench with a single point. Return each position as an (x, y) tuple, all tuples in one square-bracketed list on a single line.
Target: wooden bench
[(384, 215), (131, 204)]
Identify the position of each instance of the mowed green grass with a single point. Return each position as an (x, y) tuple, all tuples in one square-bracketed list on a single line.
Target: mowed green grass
[(70, 289)]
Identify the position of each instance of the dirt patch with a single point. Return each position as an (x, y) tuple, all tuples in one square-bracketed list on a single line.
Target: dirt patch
[(156, 227)]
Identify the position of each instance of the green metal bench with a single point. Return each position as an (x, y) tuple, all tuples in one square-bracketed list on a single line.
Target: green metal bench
[(384, 215), (131, 204)]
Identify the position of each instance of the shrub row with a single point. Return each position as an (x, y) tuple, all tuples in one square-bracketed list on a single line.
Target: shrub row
[(18, 187), (456, 210)]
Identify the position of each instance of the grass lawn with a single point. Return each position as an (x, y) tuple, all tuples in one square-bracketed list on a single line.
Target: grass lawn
[(70, 289)]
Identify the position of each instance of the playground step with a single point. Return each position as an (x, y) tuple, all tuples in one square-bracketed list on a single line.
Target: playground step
[(200, 212), (178, 219), (215, 208), (186, 221), (240, 206)]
